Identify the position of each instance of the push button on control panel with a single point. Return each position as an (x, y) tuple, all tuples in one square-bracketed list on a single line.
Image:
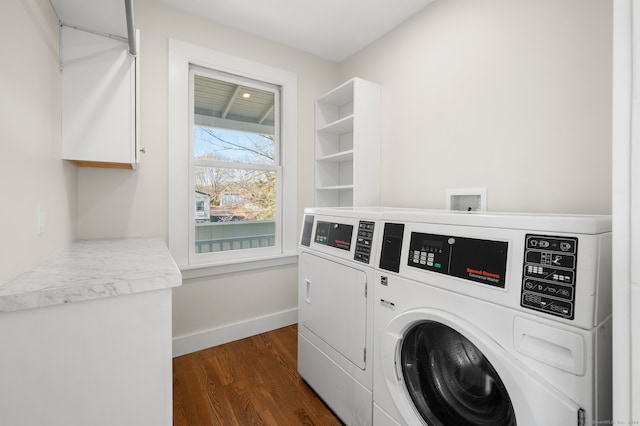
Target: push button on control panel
[(549, 276), (364, 241)]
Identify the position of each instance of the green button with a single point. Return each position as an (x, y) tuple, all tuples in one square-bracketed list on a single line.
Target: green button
[(437, 265)]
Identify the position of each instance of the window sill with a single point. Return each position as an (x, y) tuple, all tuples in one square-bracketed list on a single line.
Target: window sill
[(241, 265)]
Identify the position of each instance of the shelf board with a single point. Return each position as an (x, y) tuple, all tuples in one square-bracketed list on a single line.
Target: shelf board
[(103, 164), (334, 188), (339, 127), (338, 157), (340, 95)]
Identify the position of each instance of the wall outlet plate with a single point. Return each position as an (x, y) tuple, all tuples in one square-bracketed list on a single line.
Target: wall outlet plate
[(467, 199)]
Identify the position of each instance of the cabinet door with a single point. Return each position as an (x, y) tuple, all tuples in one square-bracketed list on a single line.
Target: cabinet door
[(98, 99)]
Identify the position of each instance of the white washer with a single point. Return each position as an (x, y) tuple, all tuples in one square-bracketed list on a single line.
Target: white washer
[(335, 323), (492, 319)]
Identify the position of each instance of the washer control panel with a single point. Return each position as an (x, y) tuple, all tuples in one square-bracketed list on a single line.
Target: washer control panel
[(363, 241), (549, 276), (472, 259)]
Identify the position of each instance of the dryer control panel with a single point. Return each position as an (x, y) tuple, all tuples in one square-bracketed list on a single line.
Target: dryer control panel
[(549, 276), (333, 234), (341, 236)]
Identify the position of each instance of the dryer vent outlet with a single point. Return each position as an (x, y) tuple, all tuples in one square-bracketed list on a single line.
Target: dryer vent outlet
[(467, 199)]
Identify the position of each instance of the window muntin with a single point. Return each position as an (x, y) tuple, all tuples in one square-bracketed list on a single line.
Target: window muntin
[(235, 161)]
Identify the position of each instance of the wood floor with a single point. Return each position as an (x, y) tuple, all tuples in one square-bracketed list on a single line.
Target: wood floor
[(252, 381)]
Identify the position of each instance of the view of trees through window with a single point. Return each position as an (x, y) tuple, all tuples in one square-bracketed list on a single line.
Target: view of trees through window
[(236, 193)]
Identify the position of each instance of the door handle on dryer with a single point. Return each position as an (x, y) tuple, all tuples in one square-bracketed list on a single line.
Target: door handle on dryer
[(308, 289)]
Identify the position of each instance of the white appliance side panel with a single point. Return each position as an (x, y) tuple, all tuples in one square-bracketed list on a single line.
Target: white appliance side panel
[(332, 305), (603, 386), (604, 300)]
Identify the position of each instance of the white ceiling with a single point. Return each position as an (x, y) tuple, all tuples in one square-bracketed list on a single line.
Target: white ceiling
[(331, 29)]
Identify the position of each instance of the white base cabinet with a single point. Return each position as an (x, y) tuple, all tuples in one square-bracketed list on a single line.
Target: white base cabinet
[(100, 362), (347, 150), (86, 337)]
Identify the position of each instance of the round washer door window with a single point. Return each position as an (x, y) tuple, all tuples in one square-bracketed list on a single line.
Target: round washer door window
[(450, 381)]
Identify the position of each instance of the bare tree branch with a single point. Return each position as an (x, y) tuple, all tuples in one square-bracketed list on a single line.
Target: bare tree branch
[(228, 145)]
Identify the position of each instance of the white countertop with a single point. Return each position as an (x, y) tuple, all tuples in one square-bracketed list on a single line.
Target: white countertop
[(93, 269)]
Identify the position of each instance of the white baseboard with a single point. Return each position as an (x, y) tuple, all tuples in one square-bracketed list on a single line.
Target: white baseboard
[(183, 345)]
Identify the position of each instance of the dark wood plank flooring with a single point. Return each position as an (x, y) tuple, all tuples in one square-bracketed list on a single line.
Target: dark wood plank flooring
[(252, 381)]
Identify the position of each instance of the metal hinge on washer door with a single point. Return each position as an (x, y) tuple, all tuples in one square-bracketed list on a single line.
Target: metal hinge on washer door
[(581, 417)]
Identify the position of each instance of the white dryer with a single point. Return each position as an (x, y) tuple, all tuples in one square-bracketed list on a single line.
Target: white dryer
[(335, 322), (492, 319)]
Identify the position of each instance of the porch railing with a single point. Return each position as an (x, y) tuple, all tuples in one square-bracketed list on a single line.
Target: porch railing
[(224, 236)]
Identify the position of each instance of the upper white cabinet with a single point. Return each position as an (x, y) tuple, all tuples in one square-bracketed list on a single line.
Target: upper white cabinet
[(100, 83), (347, 147)]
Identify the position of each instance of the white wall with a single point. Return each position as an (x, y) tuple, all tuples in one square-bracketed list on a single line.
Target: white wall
[(31, 171), (116, 203), (514, 96)]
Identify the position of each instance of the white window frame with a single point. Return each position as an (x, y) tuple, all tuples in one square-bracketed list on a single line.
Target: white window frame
[(181, 198), (231, 255)]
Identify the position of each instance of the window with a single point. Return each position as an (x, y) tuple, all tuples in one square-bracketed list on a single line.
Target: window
[(232, 162), (235, 162)]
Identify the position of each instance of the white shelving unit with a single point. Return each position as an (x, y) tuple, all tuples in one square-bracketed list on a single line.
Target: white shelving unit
[(347, 151)]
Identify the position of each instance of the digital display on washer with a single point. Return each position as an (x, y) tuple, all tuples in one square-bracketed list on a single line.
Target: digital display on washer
[(336, 235), (307, 226), (483, 261), (549, 276), (391, 254)]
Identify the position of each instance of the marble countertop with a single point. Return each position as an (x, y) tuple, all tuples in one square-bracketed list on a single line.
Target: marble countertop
[(93, 269)]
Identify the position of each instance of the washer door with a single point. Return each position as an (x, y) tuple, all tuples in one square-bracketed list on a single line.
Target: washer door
[(441, 370), (450, 381)]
